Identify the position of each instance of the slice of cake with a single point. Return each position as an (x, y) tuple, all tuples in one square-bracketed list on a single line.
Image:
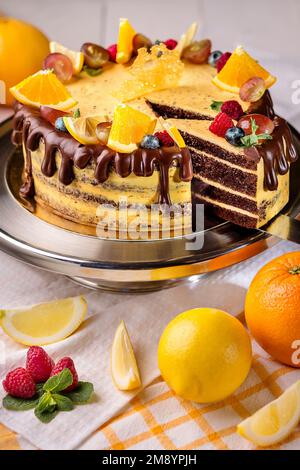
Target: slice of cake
[(188, 133), (239, 184)]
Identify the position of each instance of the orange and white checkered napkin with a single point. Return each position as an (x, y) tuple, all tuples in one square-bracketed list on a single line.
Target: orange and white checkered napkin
[(155, 418), (158, 419)]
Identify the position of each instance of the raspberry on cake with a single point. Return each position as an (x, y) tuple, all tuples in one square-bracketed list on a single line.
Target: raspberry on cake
[(203, 157)]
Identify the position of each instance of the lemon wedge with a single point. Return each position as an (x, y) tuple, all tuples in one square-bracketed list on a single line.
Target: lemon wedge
[(76, 57), (187, 38), (44, 323), (274, 422), (173, 132), (43, 89), (124, 369), (125, 41), (83, 129)]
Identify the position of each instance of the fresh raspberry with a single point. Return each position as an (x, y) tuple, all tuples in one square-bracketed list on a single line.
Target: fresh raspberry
[(222, 61), (233, 109), (170, 44), (19, 383), (221, 124), (66, 363), (39, 364), (112, 50), (165, 139)]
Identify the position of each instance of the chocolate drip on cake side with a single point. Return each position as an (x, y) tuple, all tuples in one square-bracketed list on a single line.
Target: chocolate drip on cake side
[(277, 154), (30, 128), (264, 106)]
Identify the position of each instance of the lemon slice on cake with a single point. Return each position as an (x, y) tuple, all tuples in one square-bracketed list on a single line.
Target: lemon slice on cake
[(44, 323), (76, 57), (43, 89), (124, 369), (239, 68), (187, 38), (274, 422), (128, 128), (173, 133), (83, 129)]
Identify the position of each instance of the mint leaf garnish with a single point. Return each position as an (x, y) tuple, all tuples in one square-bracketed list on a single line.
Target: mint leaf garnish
[(76, 113), (46, 416), (59, 382), (63, 403), (92, 72), (216, 105), (19, 404), (253, 139), (82, 393), (46, 403), (254, 126)]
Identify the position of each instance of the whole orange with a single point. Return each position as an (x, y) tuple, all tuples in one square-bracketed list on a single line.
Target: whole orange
[(22, 50), (272, 308)]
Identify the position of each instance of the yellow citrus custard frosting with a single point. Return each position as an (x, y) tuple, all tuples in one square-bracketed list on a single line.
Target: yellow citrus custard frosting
[(170, 123)]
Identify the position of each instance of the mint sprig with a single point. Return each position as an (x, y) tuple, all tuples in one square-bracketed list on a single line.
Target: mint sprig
[(76, 113), (82, 393), (59, 382), (51, 398), (216, 105), (253, 139), (19, 404)]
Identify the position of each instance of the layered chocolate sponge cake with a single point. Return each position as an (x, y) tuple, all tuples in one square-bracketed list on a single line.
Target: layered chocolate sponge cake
[(171, 123)]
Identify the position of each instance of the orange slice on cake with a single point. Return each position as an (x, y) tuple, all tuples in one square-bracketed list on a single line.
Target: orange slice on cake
[(128, 128), (239, 69), (43, 89), (125, 41)]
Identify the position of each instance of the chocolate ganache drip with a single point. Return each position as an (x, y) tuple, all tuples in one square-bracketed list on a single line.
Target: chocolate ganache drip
[(277, 154), (30, 128)]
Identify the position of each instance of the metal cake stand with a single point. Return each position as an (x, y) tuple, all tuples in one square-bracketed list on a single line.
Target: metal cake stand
[(119, 265)]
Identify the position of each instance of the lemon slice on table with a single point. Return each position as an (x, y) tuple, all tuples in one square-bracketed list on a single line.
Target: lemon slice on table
[(128, 128), (125, 41), (239, 68), (124, 369), (76, 57), (83, 129), (274, 422), (44, 323), (43, 89)]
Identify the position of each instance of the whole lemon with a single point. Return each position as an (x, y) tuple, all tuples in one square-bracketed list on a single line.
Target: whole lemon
[(204, 355), (22, 50)]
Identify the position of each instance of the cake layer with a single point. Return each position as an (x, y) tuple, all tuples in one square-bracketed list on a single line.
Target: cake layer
[(197, 135), (209, 166), (232, 180), (193, 97), (81, 200), (225, 212), (209, 189), (194, 94)]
